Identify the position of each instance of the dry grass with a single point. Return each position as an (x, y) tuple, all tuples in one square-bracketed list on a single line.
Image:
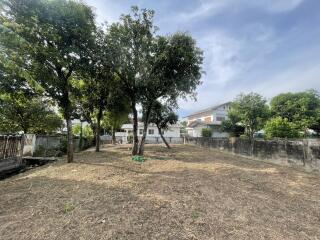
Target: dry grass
[(183, 193)]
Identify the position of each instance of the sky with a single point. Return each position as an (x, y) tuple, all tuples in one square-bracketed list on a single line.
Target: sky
[(263, 46)]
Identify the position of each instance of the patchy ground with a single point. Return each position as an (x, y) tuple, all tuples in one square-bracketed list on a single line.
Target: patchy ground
[(185, 193)]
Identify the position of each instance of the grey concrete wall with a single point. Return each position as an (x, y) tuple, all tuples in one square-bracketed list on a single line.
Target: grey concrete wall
[(304, 153)]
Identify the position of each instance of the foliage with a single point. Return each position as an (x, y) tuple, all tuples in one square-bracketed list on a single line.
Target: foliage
[(279, 127), (300, 108), (162, 116), (252, 112), (232, 125), (86, 131), (28, 114), (206, 132), (152, 67), (52, 42), (117, 112)]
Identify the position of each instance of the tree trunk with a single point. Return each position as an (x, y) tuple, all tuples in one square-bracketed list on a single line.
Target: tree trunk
[(135, 129), (98, 133), (81, 137), (145, 128), (163, 139), (69, 140), (113, 136)]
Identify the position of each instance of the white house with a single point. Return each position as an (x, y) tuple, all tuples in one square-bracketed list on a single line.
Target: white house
[(211, 117), (153, 136)]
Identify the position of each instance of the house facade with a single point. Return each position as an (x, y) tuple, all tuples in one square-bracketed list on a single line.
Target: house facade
[(172, 134), (211, 117)]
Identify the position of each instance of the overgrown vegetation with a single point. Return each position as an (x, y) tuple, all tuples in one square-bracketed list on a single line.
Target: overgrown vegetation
[(206, 132), (290, 115)]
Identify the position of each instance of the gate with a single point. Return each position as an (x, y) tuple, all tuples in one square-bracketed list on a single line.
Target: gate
[(11, 150)]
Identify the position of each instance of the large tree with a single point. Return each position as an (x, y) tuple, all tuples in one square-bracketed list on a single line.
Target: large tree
[(252, 112), (173, 71), (152, 67), (54, 38), (131, 40), (301, 108)]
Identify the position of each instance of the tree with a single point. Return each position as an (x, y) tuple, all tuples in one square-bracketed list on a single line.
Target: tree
[(54, 40), (174, 71), (28, 114), (152, 68), (162, 116), (130, 40), (206, 132), (252, 112), (281, 128), (300, 108), (117, 114), (86, 131), (233, 124)]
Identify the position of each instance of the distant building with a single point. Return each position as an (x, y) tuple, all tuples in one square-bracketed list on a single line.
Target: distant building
[(211, 117), (173, 132)]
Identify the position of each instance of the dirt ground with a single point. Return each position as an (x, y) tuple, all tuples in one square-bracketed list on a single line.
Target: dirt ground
[(184, 193)]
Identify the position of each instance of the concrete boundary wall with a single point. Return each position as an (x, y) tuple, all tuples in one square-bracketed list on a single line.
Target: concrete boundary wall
[(304, 153)]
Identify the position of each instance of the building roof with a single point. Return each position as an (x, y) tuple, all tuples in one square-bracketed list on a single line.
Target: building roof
[(212, 108)]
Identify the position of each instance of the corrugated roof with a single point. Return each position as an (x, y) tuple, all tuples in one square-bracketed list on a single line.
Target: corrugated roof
[(209, 109)]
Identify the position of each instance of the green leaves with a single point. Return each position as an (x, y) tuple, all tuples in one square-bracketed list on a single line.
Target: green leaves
[(301, 108), (281, 128), (251, 110)]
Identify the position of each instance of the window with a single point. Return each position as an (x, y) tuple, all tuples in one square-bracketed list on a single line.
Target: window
[(151, 131), (220, 119), (162, 131), (140, 131)]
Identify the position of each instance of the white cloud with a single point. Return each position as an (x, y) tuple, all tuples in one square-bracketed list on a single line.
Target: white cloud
[(277, 6), (207, 8)]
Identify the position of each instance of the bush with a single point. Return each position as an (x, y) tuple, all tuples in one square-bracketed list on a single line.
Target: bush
[(281, 128), (206, 132)]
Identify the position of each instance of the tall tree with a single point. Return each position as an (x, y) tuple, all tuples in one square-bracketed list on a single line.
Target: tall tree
[(55, 37), (301, 108), (173, 71), (162, 116), (131, 40), (150, 67), (252, 112)]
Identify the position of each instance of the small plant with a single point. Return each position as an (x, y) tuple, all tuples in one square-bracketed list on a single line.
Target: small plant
[(138, 158), (68, 207), (195, 215)]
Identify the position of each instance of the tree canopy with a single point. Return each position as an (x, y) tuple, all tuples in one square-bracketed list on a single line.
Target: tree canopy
[(53, 42), (301, 108), (30, 115), (252, 112)]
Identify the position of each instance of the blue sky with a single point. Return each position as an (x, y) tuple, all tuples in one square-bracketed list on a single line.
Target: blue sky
[(264, 46)]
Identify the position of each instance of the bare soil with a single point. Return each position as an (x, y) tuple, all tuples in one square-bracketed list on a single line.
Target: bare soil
[(183, 193)]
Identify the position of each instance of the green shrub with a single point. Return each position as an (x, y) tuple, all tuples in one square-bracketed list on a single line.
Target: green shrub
[(280, 128), (206, 132), (63, 144), (130, 139)]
